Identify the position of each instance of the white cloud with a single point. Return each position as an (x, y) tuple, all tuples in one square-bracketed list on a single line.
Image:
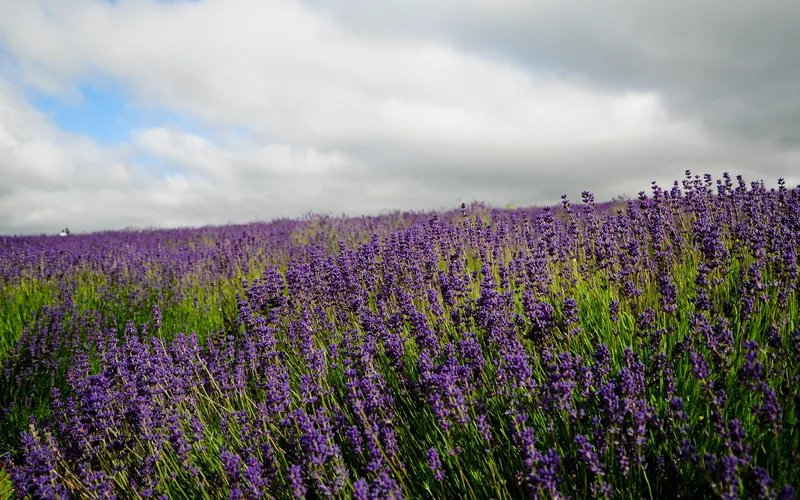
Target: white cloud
[(337, 120)]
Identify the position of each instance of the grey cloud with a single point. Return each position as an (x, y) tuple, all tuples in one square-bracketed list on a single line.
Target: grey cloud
[(359, 106), (733, 64)]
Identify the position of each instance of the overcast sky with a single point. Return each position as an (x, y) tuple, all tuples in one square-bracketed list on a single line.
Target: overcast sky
[(173, 113)]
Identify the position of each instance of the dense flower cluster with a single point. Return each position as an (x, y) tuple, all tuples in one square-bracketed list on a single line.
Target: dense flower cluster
[(649, 350)]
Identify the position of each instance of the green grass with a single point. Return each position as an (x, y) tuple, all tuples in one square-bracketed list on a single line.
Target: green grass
[(6, 487)]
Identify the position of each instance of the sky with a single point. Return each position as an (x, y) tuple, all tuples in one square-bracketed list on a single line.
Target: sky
[(154, 113)]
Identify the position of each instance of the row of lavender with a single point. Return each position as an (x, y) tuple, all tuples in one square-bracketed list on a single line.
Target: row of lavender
[(650, 352), (129, 253), (185, 271)]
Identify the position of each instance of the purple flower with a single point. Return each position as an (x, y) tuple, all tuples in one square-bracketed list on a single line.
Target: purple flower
[(613, 309), (435, 464), (587, 454), (769, 411), (786, 493), (296, 481), (763, 483), (699, 365), (361, 489), (570, 310), (37, 476)]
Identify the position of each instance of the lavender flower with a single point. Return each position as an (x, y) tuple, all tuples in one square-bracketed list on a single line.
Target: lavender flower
[(435, 464)]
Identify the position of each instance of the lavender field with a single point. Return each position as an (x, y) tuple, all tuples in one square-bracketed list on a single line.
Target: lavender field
[(648, 349)]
